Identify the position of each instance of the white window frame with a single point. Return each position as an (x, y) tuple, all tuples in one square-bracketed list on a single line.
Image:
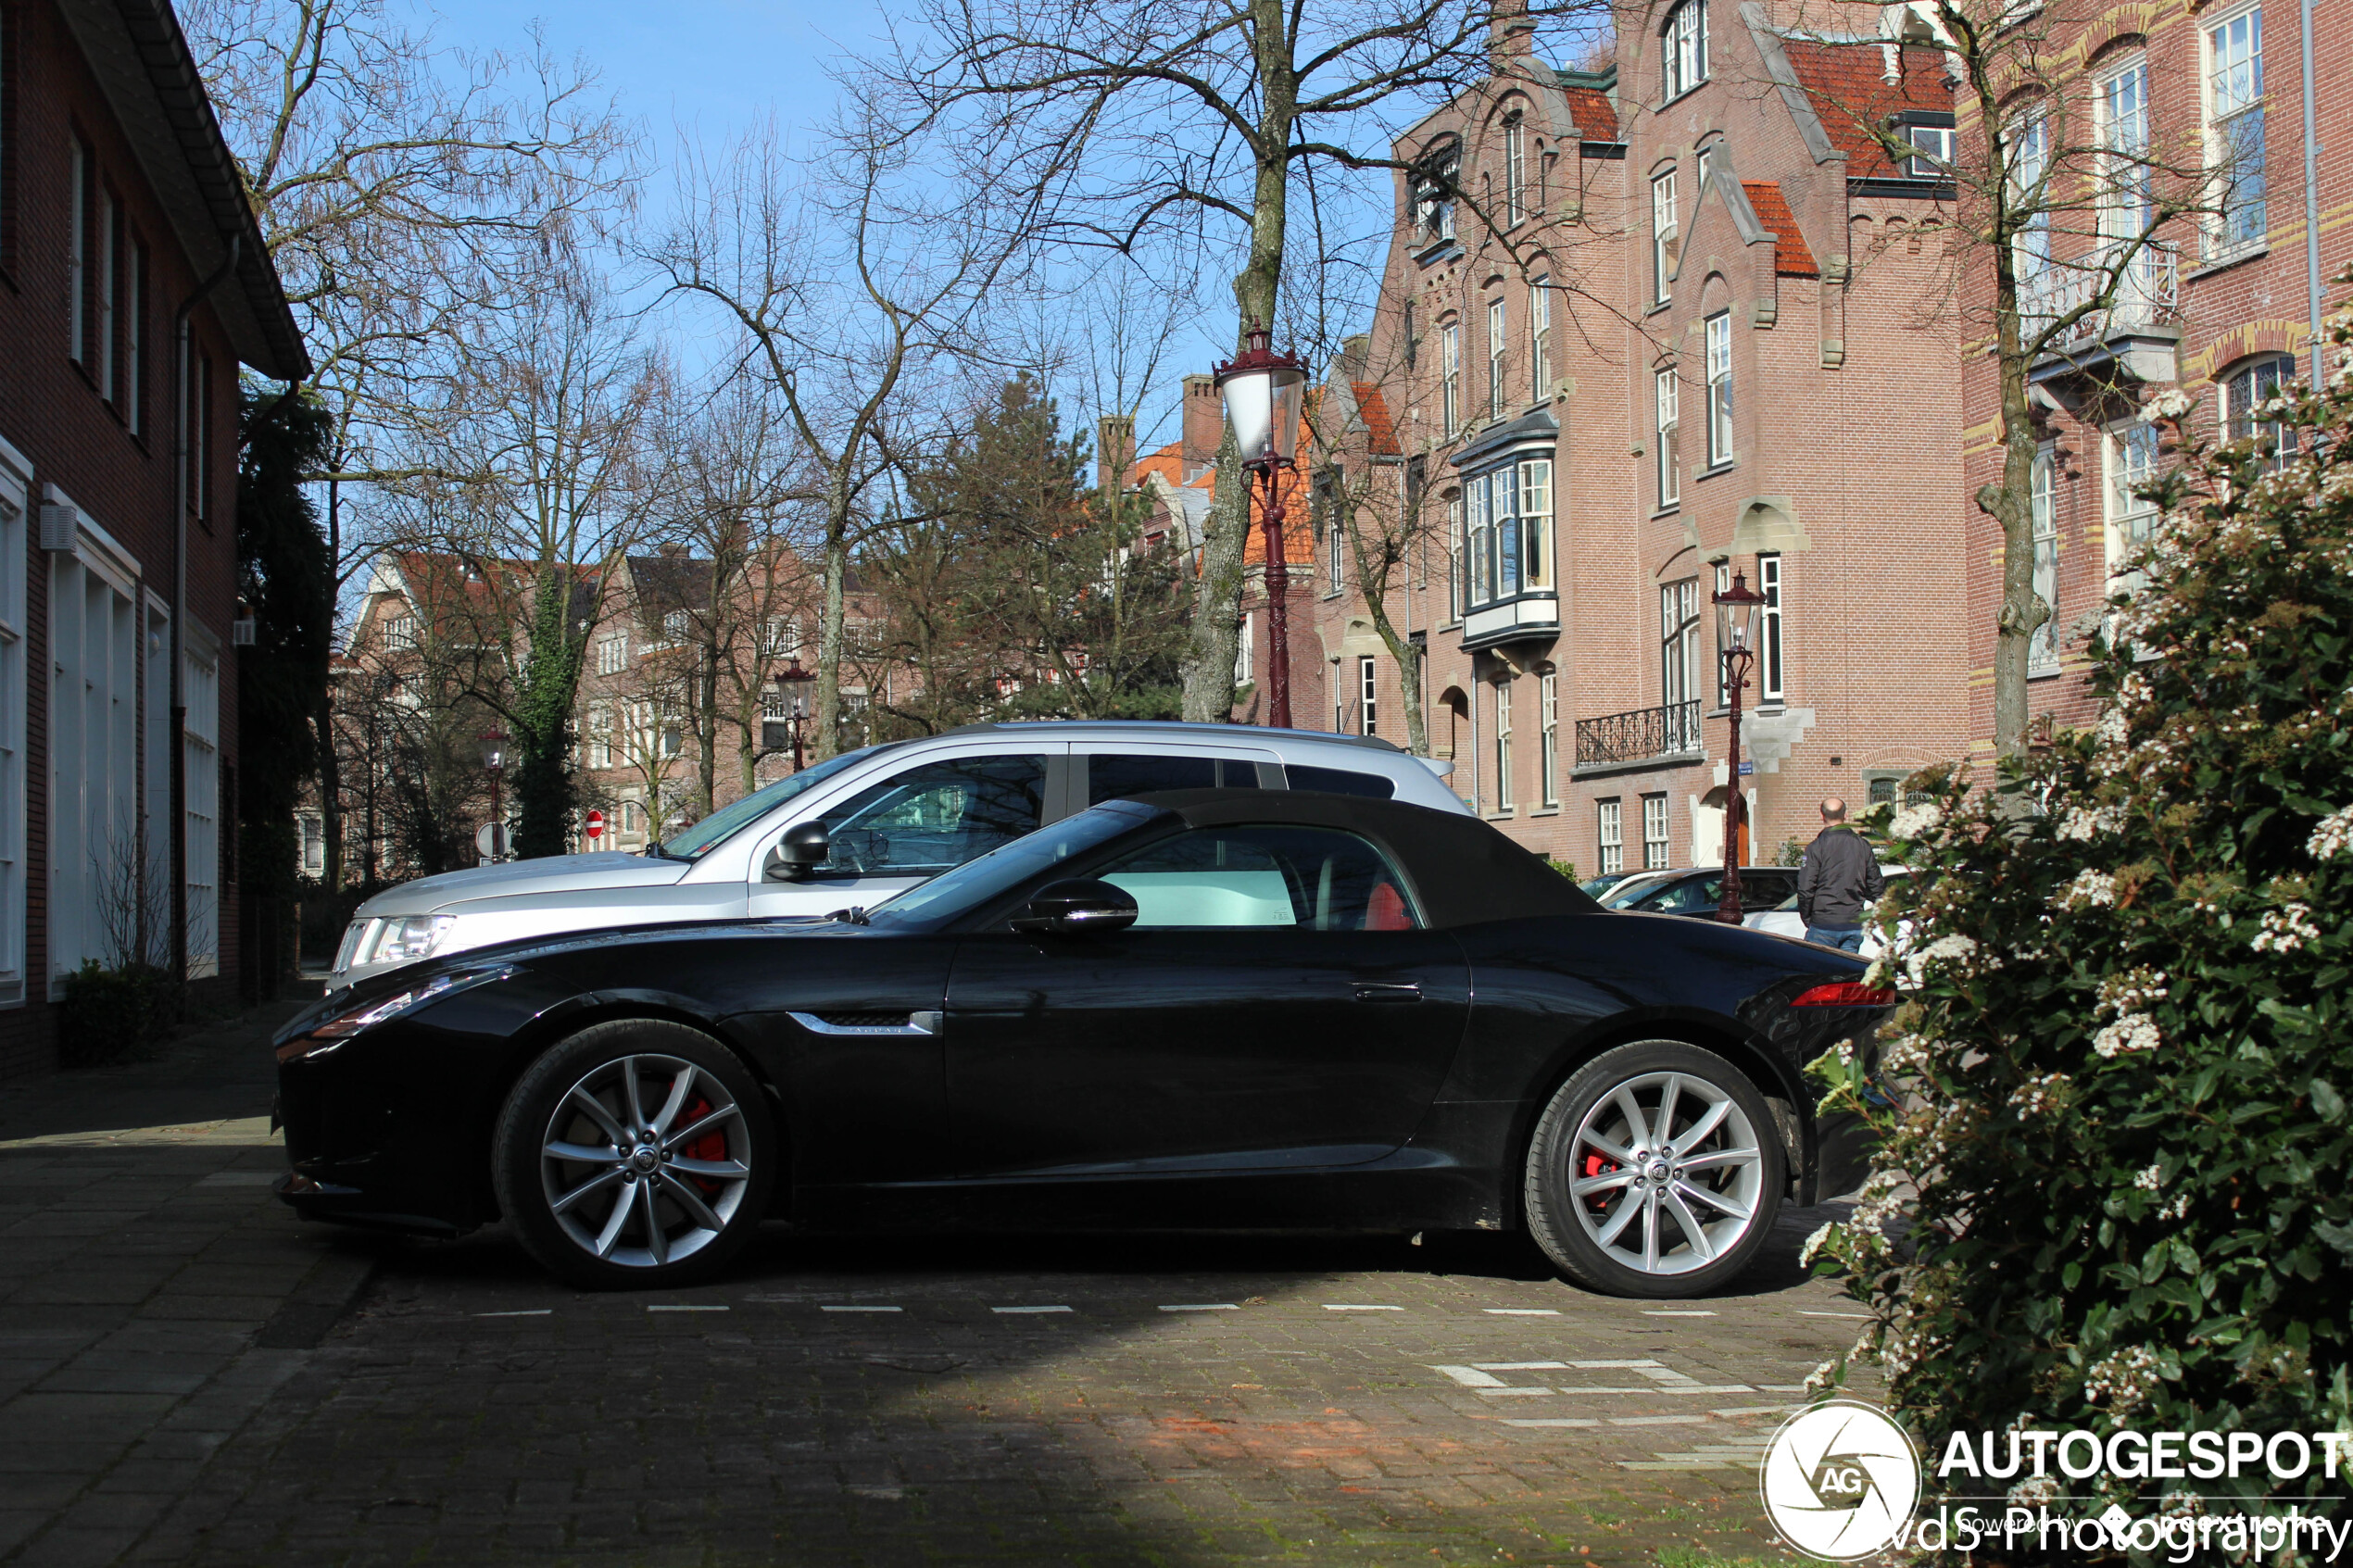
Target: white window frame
[(1609, 836), (1497, 345), (94, 807), (600, 735), (1719, 390), (200, 799), (2129, 457), (1368, 689), (1665, 232), (1669, 401), (1245, 649), (400, 632), (2121, 112), (2043, 650), (2230, 50), (2247, 388), (1502, 746), (1534, 523), (1772, 655), (1931, 152), (2028, 145), (1679, 652), (1723, 684), (1515, 170), (1540, 338), (1654, 839), (1548, 697), (1457, 562), (1683, 49), (1450, 372)]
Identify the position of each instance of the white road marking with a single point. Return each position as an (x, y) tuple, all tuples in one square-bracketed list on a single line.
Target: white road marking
[(1347, 1307), (1524, 1311), (834, 1309), (683, 1307), (1499, 1392), (1033, 1309), (1523, 1366), (1558, 1420), (1781, 1388), (1649, 1312), (1754, 1409), (1860, 1317), (1202, 1307), (523, 1312), (1657, 1419), (1471, 1377)]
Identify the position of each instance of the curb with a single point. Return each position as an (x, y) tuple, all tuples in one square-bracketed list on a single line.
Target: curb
[(318, 1304)]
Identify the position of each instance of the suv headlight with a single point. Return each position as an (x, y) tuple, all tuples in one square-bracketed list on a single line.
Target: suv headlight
[(406, 939)]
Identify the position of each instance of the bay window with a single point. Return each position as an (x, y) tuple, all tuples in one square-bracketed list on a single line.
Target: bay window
[(1507, 530)]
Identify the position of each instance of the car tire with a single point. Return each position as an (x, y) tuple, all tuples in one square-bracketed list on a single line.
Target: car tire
[(636, 1153), (1700, 1212)]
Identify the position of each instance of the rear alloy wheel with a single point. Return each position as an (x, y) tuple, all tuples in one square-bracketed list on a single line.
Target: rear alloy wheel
[(1656, 1171), (636, 1153)]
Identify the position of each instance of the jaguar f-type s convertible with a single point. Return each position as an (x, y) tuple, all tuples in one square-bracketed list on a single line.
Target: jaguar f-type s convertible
[(1214, 1010)]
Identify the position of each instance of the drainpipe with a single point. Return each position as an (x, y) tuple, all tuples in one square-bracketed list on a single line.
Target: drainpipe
[(2311, 207), (180, 619)]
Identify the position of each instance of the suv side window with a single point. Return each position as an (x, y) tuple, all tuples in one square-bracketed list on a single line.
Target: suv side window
[(1340, 781), (934, 818), (1309, 879), (1118, 776)]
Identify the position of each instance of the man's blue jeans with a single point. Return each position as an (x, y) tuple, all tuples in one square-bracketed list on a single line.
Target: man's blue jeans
[(1850, 940)]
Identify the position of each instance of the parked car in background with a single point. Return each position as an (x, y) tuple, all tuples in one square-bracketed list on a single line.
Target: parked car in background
[(894, 814), (1696, 890), (1782, 919), (1599, 888), (1207, 1009)]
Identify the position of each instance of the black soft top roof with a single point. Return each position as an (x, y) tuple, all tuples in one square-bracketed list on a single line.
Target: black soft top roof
[(1465, 871)]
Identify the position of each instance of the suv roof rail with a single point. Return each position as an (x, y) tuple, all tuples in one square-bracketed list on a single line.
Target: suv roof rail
[(1233, 731)]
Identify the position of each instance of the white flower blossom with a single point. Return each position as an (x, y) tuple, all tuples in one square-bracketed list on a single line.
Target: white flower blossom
[(2036, 1493), (2089, 887), (2134, 1031), (2089, 822), (2332, 836), (1913, 821), (2284, 930), (2170, 404), (1814, 1244), (2174, 1206), (2151, 1179), (2131, 991), (2123, 1381), (2038, 1096)]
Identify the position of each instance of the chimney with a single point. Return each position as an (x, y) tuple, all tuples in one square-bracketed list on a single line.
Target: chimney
[(1205, 425), (1508, 33), (1115, 450)]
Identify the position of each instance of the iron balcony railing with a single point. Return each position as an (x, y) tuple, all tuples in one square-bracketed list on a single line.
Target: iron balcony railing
[(2146, 291), (1638, 735)]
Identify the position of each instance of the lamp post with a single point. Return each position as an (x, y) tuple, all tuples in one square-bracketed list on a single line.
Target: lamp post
[(493, 762), (1261, 389), (792, 681), (1737, 609)]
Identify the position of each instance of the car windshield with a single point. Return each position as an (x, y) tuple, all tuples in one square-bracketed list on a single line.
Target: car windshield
[(705, 836), (1594, 886), (976, 881), (1635, 891)]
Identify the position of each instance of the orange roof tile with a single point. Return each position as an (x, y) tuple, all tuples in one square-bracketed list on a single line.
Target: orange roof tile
[(1791, 258), (1843, 82), (1593, 113), (1381, 431)]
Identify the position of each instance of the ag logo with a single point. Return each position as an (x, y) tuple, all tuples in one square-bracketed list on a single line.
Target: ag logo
[(1839, 1480)]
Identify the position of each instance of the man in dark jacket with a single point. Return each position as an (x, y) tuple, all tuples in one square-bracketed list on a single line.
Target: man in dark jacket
[(1838, 883)]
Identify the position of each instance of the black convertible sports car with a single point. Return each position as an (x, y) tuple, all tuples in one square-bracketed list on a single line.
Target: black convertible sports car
[(1209, 1010)]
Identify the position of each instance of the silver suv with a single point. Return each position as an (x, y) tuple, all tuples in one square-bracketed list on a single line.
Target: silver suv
[(861, 826)]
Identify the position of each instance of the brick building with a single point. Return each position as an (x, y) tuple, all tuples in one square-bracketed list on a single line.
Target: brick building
[(121, 218), (2226, 307), (1643, 327)]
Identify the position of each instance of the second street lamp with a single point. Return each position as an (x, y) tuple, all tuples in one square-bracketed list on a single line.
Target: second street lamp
[(1261, 389), (792, 680), (493, 763), (1737, 609)]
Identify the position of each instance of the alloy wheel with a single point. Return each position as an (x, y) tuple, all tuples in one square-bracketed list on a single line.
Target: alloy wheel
[(645, 1160), (1665, 1174)]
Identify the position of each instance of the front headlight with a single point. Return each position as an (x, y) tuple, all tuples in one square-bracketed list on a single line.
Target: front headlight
[(330, 1033), (406, 939)]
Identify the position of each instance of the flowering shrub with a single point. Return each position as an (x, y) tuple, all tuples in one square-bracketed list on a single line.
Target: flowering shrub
[(2112, 1187)]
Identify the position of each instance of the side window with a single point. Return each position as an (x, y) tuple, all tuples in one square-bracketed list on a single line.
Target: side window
[(1340, 781), (1121, 777), (934, 818), (1313, 879), (1678, 897)]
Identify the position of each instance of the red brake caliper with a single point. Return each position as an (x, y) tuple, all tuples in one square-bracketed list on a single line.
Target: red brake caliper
[(1597, 1166), (710, 1146)]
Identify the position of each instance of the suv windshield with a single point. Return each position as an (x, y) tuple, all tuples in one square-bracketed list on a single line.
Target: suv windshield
[(701, 838), (1639, 889)]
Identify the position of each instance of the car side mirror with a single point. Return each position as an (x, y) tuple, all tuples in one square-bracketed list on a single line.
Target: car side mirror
[(805, 846), (1077, 907)]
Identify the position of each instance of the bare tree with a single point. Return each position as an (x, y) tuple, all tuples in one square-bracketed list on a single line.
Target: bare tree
[(1132, 117), (2066, 212)]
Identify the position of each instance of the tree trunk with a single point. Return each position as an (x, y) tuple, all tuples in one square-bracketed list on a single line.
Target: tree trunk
[(827, 719), (2011, 504), (1218, 595), (330, 773)]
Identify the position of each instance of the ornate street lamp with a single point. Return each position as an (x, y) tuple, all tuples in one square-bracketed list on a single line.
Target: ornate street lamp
[(493, 762), (1261, 389), (792, 681), (1737, 610)]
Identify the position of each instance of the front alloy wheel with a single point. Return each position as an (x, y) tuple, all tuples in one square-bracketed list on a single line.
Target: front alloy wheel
[(635, 1153), (1655, 1171)]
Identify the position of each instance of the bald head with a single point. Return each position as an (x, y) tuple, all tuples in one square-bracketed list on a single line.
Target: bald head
[(1833, 809)]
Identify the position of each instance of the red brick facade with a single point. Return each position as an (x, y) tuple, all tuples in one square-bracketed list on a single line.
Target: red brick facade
[(102, 96)]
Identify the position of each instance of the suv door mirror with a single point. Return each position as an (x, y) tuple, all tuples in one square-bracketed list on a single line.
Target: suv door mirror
[(1073, 908), (805, 846)]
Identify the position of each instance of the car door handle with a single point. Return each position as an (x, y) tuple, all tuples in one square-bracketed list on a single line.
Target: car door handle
[(1388, 991)]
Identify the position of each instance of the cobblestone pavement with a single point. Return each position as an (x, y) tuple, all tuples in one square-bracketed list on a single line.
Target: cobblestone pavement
[(1007, 1401)]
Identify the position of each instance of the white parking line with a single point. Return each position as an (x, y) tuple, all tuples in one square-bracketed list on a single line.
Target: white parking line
[(1651, 1312), (1347, 1307), (1524, 1366), (683, 1307), (521, 1312), (1756, 1410), (1524, 1311), (1471, 1376), (1860, 1317), (1202, 1307), (1657, 1419), (1500, 1392), (1558, 1420), (1033, 1309), (1781, 1388), (834, 1309)]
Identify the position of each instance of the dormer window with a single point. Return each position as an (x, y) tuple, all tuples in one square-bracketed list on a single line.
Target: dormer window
[(1434, 187), (1684, 47)]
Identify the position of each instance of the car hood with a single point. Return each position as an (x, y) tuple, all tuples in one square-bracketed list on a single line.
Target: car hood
[(552, 874)]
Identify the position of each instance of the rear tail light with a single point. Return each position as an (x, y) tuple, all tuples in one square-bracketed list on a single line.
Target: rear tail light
[(1844, 994)]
